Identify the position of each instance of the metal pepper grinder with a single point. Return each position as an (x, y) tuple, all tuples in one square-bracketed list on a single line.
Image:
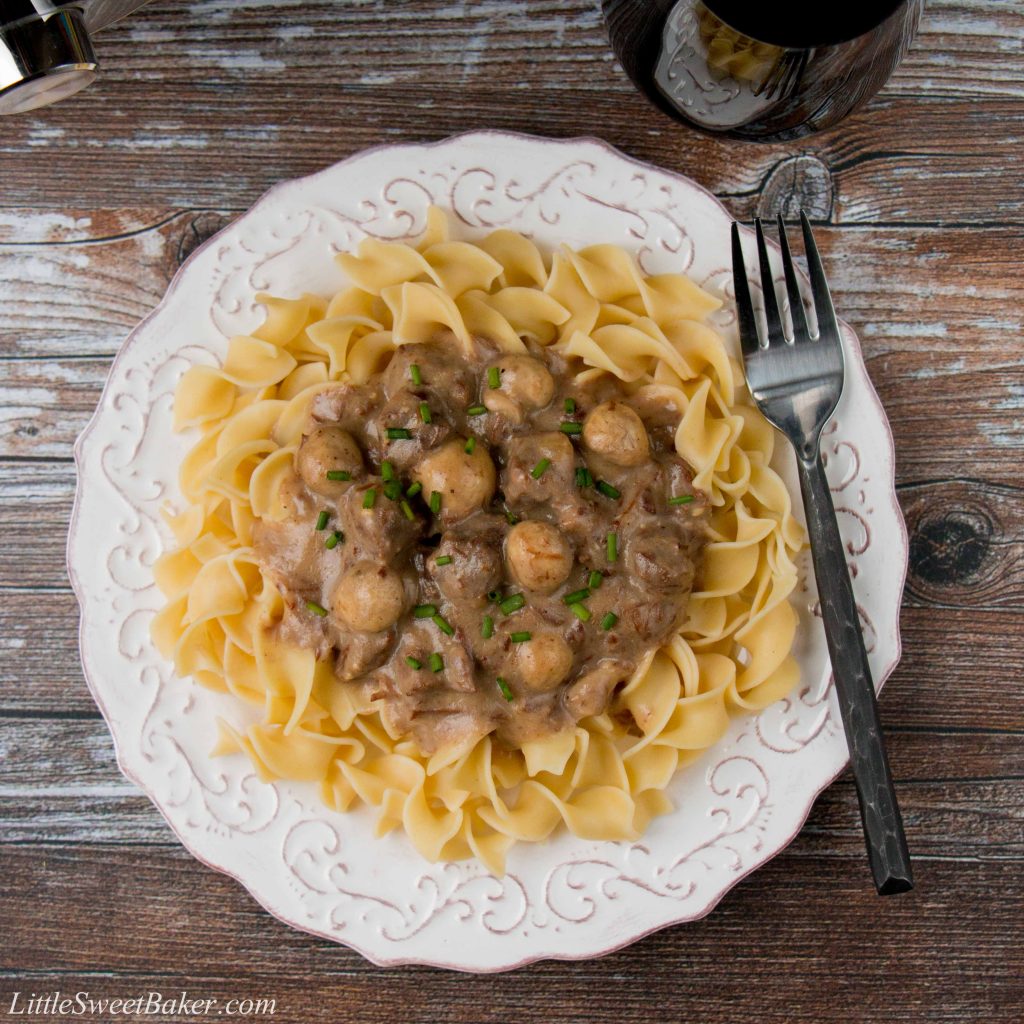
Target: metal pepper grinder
[(46, 51)]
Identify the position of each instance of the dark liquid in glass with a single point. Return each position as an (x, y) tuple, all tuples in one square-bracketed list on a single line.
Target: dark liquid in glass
[(761, 70)]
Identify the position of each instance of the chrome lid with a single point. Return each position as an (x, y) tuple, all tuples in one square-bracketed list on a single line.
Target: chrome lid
[(46, 54)]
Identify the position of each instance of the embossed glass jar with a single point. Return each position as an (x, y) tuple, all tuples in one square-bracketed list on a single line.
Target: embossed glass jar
[(761, 71)]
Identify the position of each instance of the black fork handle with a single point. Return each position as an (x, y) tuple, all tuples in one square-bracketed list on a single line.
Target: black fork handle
[(883, 825)]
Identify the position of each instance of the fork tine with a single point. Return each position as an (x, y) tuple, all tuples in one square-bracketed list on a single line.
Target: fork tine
[(796, 303), (744, 305), (828, 326), (771, 304)]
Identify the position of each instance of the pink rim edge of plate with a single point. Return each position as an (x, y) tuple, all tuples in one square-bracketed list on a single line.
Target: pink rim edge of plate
[(76, 587)]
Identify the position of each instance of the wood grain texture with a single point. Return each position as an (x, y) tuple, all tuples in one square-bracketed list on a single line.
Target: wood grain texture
[(201, 106)]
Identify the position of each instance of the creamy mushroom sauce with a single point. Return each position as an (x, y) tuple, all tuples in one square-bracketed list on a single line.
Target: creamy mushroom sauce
[(533, 504)]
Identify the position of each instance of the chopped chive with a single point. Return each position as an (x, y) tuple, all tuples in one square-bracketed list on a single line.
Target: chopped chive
[(414, 374), (334, 540), (338, 474), (370, 497), (681, 499), (407, 510), (570, 406), (512, 604), (393, 490), (442, 624), (476, 410), (435, 502), (576, 596), (583, 477), (443, 560), (436, 662), (387, 471), (595, 580), (414, 663), (425, 412), (505, 691), (316, 609), (520, 637), (494, 596), (580, 611), (323, 519), (607, 490), (540, 469), (398, 434), (414, 489), (609, 620), (470, 446), (510, 515), (612, 547), (494, 378), (570, 428), (487, 627), (424, 611)]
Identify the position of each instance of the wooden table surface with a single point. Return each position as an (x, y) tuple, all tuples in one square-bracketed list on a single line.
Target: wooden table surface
[(202, 106)]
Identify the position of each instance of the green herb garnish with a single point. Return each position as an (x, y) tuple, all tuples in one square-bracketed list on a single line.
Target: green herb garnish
[(442, 624), (370, 497), (570, 428), (476, 410), (570, 406), (436, 662), (414, 489), (414, 663), (494, 378), (681, 499), (512, 604), (520, 637), (576, 596), (580, 611), (487, 627), (470, 446), (398, 434), (425, 412), (387, 471), (407, 510), (443, 560), (334, 540), (540, 469), (594, 580), (338, 474), (323, 519), (393, 490), (607, 490), (424, 611), (435, 502), (316, 609), (583, 477), (609, 620), (414, 374), (506, 692), (612, 547)]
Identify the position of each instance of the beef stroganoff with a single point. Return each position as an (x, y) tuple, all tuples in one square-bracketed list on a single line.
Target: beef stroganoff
[(490, 539)]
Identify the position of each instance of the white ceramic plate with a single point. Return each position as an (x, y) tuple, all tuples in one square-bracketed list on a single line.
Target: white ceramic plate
[(324, 872)]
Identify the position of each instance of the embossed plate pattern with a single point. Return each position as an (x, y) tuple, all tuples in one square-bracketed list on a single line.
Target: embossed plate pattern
[(324, 872)]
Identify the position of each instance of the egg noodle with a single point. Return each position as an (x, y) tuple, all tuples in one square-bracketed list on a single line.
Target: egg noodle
[(605, 778)]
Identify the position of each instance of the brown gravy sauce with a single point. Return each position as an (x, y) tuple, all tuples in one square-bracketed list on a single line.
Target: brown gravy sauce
[(454, 622)]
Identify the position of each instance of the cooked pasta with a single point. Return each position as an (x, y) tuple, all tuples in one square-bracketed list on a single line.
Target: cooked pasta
[(606, 777)]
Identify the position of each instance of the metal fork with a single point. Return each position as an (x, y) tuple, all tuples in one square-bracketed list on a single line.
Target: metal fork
[(796, 384)]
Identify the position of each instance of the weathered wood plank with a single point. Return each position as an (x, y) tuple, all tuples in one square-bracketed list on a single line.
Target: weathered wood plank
[(962, 795), (876, 967), (937, 312), (956, 669)]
